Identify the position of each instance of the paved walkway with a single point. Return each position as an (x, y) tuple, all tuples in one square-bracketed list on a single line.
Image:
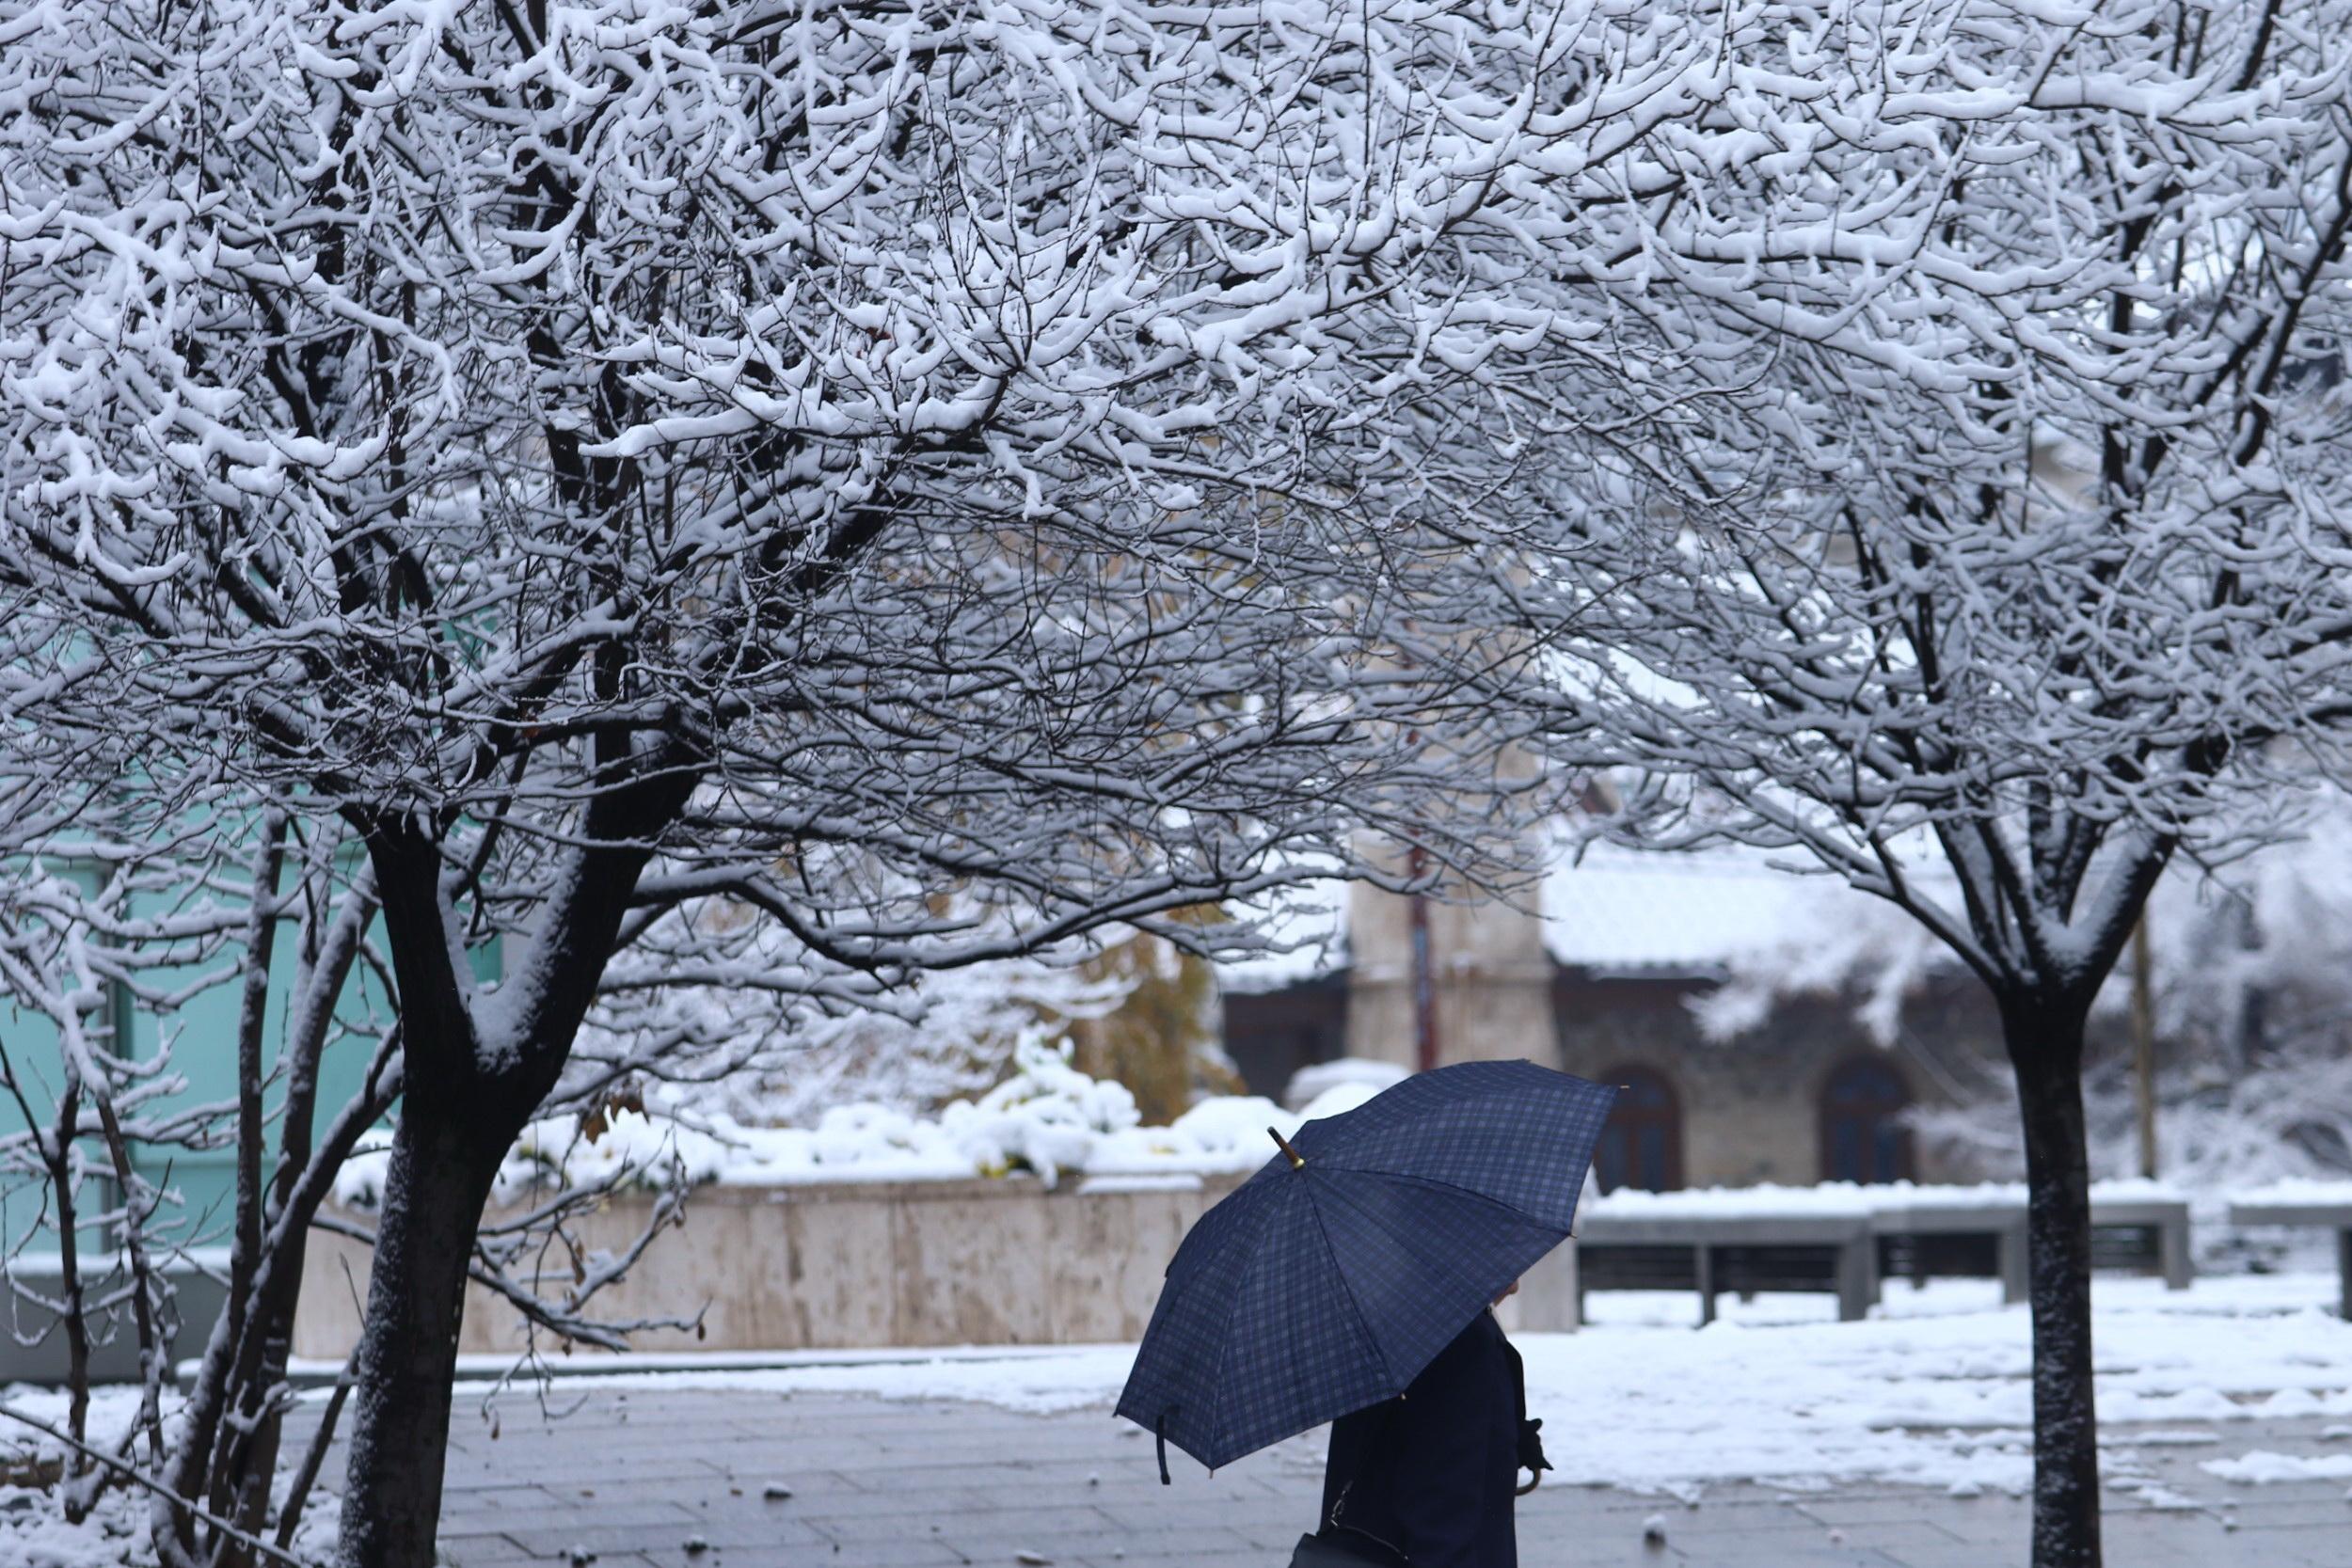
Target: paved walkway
[(655, 1476)]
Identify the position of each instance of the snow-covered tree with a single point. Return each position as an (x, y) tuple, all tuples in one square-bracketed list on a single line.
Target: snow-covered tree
[(2250, 979), (952, 479), (2025, 577), (946, 478), (125, 910)]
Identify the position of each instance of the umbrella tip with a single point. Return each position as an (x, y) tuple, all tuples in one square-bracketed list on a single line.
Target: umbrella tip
[(1298, 1161)]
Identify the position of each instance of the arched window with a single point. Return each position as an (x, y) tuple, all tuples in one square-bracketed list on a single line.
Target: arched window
[(1642, 1146), (1863, 1137)]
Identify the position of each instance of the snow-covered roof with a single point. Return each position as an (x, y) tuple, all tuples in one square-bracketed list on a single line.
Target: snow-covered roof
[(1615, 910), (1635, 910)]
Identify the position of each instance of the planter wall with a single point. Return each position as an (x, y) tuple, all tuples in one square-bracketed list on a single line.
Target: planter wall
[(849, 1266), (867, 1266)]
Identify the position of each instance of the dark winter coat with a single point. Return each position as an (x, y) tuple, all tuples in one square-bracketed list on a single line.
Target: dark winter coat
[(1432, 1474)]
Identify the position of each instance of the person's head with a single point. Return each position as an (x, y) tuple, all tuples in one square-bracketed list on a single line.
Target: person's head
[(1508, 1292)]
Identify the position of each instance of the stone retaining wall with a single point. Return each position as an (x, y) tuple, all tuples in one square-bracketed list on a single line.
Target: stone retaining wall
[(867, 1266)]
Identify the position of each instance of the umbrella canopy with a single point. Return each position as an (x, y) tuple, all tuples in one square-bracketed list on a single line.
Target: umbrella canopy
[(1332, 1276)]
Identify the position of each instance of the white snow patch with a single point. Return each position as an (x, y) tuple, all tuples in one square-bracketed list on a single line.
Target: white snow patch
[(1308, 1083), (1834, 1199), (2262, 1467)]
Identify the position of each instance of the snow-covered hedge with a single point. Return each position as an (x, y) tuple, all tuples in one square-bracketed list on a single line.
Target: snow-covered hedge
[(1310, 1084), (1048, 1118)]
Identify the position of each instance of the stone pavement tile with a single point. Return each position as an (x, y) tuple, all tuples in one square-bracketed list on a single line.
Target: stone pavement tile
[(1267, 1530), (473, 1551), (800, 1451), (1198, 1541), (479, 1472), (648, 1514), (894, 1554), (1590, 1507), (598, 1537), (2297, 1513), (2162, 1541), (1858, 1511), (1025, 1524), (621, 1489), (919, 1517), (1735, 1555), (1017, 1472), (724, 1529), (1117, 1489), (842, 1504), (505, 1493), (1147, 1514), (1894, 1537), (859, 1554), (772, 1556)]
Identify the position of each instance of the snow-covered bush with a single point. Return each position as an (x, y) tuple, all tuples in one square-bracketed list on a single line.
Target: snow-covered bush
[(1310, 1082), (1047, 1119)]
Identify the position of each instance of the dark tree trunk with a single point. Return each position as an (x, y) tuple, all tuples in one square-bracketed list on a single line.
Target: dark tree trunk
[(2045, 1047), (463, 1107), (440, 1176)]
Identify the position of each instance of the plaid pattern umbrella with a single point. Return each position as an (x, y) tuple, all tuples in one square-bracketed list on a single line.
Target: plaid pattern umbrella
[(1332, 1276)]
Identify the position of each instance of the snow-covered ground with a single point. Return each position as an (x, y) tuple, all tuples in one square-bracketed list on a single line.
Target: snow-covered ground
[(1932, 1391)]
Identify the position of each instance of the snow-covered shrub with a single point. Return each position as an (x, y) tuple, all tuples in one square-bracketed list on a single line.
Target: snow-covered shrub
[(1048, 1119), (1045, 1117), (1310, 1083)]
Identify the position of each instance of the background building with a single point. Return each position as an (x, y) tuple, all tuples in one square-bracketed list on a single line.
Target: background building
[(1600, 980)]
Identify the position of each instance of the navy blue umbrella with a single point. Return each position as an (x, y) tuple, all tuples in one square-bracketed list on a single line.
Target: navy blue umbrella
[(1332, 1276)]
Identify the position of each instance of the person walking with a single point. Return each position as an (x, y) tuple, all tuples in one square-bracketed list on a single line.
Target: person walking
[(1429, 1479), (1353, 1280)]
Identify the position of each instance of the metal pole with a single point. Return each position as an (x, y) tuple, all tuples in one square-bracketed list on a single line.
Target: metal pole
[(1424, 980), (2145, 1047)]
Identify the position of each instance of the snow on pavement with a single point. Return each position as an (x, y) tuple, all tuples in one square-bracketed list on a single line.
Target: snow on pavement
[(1930, 1392), (2264, 1468)]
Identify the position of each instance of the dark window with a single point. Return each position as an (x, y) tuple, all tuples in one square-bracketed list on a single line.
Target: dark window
[(1863, 1137), (1642, 1146), (1271, 1035)]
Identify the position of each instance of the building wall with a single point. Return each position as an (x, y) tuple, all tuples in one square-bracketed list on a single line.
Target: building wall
[(1491, 980), (1752, 1107)]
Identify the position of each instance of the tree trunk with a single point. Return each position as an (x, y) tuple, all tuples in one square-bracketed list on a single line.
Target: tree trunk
[(2045, 1047), (462, 1109), (441, 1171)]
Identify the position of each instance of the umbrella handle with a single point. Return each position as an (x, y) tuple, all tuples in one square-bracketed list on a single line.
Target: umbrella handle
[(1298, 1161)]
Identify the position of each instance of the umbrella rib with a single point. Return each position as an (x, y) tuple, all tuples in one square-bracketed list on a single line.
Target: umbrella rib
[(1387, 1372), (1224, 1339)]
